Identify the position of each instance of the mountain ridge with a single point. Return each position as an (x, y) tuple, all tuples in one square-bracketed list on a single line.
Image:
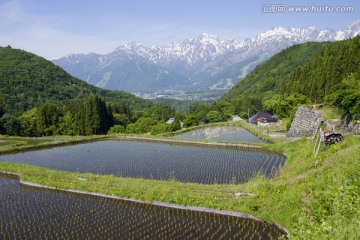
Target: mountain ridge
[(191, 63)]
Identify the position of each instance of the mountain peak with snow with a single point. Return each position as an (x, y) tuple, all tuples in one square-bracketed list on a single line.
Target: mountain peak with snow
[(206, 36), (354, 24), (278, 31), (206, 61), (352, 30)]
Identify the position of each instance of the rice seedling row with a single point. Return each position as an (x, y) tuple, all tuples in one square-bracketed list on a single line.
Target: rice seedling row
[(159, 161), (33, 213)]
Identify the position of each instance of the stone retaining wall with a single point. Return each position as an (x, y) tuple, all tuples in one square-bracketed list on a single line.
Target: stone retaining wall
[(351, 127), (305, 123)]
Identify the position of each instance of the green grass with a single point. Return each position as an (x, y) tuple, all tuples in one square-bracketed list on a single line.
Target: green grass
[(312, 198), (330, 112)]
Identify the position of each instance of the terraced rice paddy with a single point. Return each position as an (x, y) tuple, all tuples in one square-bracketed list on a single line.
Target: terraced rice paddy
[(33, 213), (221, 133), (159, 161)]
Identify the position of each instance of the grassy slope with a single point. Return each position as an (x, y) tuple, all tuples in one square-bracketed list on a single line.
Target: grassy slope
[(309, 197)]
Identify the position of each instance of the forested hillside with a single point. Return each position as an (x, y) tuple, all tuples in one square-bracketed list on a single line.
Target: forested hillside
[(317, 77), (326, 72), (268, 77), (27, 80), (38, 98)]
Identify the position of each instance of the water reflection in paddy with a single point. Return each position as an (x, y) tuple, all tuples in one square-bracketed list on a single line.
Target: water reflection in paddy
[(159, 161), (221, 133)]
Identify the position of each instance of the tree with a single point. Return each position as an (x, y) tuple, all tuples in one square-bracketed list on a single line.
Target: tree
[(296, 99), (176, 125), (28, 122), (225, 107), (120, 107), (190, 120), (247, 106), (78, 111), (213, 116), (2, 112), (11, 125), (160, 127), (47, 116), (160, 112), (96, 116), (346, 96), (200, 111), (121, 119), (67, 124), (278, 105), (2, 107), (142, 125), (116, 129), (135, 115)]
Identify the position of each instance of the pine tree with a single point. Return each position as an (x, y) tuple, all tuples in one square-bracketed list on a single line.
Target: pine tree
[(2, 107), (97, 118), (48, 117), (2, 112)]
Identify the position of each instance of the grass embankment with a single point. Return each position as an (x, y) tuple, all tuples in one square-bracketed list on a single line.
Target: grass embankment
[(313, 198)]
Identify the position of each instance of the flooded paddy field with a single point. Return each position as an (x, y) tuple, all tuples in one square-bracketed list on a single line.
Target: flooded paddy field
[(221, 133), (35, 213), (160, 161)]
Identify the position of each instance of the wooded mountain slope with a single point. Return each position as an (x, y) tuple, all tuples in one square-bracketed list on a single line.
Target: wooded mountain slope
[(319, 77), (27, 80), (312, 69)]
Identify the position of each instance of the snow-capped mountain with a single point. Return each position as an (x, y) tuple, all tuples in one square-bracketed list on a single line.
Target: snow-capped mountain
[(203, 63), (350, 31)]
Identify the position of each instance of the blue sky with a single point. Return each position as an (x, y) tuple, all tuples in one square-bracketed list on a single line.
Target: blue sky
[(53, 28)]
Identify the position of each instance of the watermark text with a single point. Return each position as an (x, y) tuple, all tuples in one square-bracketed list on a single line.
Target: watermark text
[(282, 8)]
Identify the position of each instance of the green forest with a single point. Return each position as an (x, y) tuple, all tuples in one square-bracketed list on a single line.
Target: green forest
[(28, 80), (38, 98), (307, 73)]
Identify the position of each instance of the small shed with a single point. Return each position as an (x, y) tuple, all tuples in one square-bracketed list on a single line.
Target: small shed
[(262, 116), (170, 120)]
